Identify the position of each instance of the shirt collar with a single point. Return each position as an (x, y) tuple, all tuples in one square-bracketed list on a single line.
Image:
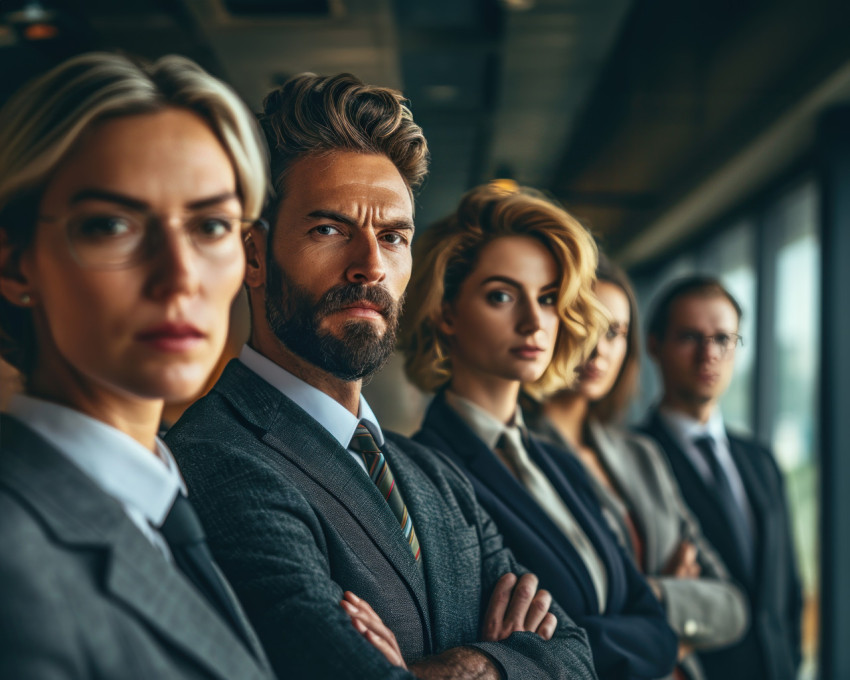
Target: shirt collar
[(686, 429), (488, 428), (118, 464), (323, 408)]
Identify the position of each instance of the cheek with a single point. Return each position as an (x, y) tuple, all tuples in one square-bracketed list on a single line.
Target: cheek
[(222, 286)]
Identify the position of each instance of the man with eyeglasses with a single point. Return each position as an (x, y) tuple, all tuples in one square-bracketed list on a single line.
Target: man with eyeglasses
[(731, 483)]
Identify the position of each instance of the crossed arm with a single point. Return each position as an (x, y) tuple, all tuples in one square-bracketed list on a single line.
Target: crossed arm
[(516, 605)]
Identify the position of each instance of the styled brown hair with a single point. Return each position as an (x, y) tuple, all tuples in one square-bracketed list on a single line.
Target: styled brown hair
[(697, 285), (44, 120), (613, 405), (448, 252), (314, 115)]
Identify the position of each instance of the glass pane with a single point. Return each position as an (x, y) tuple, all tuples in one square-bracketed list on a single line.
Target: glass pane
[(731, 257), (796, 335)]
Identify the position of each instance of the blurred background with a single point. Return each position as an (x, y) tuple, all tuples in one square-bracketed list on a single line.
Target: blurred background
[(691, 135)]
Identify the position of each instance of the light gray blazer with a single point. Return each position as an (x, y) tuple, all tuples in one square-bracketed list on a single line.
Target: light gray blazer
[(706, 612), (83, 594)]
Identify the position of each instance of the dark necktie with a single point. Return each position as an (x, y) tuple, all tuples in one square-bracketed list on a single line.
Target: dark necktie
[(736, 519), (185, 537), (380, 473)]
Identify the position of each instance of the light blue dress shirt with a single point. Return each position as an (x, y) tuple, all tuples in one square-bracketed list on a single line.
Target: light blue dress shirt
[(145, 483), (686, 430), (323, 408)]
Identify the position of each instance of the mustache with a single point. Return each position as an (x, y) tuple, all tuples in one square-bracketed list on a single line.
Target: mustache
[(346, 295)]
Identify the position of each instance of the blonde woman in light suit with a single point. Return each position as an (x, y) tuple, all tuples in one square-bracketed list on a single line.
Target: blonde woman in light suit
[(636, 487), (125, 188)]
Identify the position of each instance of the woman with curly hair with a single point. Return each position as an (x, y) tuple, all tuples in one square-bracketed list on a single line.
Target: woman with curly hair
[(502, 297)]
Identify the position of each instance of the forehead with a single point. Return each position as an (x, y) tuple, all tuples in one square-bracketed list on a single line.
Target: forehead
[(614, 300), (349, 182), (521, 258), (168, 154), (712, 312)]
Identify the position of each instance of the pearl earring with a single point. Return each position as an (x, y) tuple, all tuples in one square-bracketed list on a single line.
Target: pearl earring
[(25, 299)]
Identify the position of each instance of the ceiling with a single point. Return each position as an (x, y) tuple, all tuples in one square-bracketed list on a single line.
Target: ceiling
[(619, 108)]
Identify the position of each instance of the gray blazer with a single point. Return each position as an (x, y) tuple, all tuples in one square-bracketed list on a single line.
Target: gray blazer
[(83, 594), (706, 612), (294, 521)]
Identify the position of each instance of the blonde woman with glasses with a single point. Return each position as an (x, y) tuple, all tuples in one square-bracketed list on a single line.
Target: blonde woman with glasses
[(124, 192)]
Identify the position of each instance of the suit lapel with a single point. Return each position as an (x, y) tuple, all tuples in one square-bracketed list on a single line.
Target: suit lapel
[(83, 518), (759, 500), (700, 498), (619, 462), (284, 426), (485, 466)]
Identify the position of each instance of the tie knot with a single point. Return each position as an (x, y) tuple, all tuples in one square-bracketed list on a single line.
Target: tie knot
[(363, 441), (181, 525)]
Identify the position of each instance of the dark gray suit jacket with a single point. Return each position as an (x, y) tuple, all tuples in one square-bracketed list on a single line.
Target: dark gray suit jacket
[(83, 594), (293, 521)]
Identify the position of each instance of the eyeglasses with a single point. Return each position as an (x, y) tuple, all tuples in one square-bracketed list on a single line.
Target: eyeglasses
[(722, 341), (113, 240)]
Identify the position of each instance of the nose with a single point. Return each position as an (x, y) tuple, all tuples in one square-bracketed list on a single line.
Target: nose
[(175, 266), (709, 350), (367, 263), (530, 320)]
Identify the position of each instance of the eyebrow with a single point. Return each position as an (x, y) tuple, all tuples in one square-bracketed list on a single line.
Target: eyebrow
[(515, 284), (136, 204), (351, 222)]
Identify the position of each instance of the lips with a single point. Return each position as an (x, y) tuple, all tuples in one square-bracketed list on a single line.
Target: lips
[(591, 373), (171, 336), (527, 352)]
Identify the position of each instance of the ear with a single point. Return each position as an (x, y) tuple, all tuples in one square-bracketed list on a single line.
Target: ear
[(446, 322), (256, 242), (15, 285)]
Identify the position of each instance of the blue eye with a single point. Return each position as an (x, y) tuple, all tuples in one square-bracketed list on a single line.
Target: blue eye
[(326, 230), (498, 297)]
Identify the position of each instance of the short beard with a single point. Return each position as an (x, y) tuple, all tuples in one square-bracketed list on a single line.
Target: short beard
[(361, 351)]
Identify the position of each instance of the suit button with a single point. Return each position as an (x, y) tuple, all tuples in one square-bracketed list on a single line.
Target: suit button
[(691, 628)]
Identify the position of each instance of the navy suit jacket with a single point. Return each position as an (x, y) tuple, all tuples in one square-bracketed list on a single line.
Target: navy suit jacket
[(631, 639), (771, 648)]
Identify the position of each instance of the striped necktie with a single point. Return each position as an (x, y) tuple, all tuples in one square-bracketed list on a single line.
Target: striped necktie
[(380, 473)]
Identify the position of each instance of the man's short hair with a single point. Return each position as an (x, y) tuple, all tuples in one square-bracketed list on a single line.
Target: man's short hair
[(312, 115), (698, 286)]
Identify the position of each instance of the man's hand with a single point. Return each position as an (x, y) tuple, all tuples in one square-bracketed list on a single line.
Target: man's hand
[(683, 563), (517, 605), (370, 626)]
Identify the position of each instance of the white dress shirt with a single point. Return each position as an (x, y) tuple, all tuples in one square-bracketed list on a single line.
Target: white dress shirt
[(323, 408), (686, 430), (144, 483), (515, 457)]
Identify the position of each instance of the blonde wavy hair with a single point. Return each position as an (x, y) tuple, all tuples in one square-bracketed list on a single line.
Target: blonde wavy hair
[(448, 252)]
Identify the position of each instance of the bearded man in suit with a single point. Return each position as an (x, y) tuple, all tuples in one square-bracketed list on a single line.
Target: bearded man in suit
[(731, 483), (306, 501)]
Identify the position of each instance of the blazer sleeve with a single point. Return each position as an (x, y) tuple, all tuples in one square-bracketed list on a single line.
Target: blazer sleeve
[(522, 655), (709, 611), (637, 641), (270, 544)]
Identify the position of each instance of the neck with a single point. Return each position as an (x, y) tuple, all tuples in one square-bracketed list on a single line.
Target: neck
[(568, 411), (495, 395), (699, 411), (134, 416), (345, 392)]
